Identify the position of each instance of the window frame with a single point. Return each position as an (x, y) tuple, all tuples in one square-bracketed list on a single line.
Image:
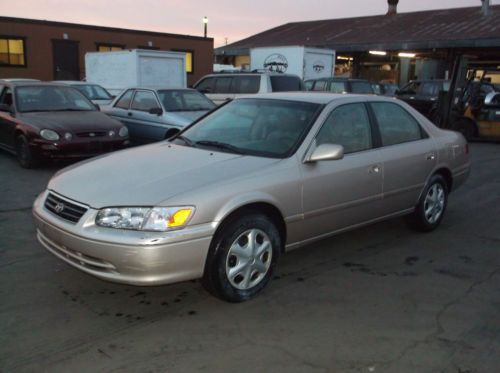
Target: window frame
[(110, 45), (121, 96), (192, 59), (373, 129), (15, 37), (136, 91), (424, 135)]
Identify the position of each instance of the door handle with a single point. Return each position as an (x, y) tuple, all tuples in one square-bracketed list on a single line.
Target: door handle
[(374, 169), (431, 156), (130, 114)]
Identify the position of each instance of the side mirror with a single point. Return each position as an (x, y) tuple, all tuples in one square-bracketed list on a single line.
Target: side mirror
[(492, 99), (204, 91), (326, 152), (6, 108), (156, 111)]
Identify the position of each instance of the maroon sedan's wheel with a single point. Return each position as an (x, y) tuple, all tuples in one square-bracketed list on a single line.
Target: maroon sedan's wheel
[(24, 153), (242, 258)]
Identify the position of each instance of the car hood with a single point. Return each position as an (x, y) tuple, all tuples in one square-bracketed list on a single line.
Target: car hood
[(150, 175), (184, 118), (73, 121)]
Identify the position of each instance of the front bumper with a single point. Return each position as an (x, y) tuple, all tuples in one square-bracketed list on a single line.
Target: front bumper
[(77, 148), (129, 257)]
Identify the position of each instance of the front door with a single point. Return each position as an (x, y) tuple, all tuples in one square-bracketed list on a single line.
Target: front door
[(342, 193), (66, 60)]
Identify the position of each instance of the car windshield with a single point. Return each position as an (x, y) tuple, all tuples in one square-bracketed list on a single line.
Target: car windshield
[(93, 91), (183, 100), (51, 98), (261, 127)]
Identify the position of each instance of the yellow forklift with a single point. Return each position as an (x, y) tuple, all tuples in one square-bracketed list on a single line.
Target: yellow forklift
[(472, 105)]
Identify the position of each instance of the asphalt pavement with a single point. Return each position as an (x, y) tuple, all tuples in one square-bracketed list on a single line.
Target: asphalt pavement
[(380, 299)]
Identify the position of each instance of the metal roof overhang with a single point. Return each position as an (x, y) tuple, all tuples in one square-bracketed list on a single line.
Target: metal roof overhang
[(386, 46)]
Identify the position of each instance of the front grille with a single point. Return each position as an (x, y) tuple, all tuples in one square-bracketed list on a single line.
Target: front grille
[(64, 208), (92, 134)]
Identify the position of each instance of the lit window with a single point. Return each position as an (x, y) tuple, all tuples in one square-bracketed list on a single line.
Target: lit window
[(189, 62), (189, 59), (109, 48), (12, 52)]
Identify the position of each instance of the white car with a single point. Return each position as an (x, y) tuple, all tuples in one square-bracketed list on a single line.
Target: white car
[(223, 87)]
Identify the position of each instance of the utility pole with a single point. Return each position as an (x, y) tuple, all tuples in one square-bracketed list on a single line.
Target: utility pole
[(205, 25)]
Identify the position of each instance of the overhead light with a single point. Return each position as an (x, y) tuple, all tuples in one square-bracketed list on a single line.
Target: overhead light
[(205, 20), (378, 53), (406, 55), (344, 58)]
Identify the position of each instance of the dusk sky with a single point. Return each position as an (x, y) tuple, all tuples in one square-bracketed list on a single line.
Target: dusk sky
[(231, 19)]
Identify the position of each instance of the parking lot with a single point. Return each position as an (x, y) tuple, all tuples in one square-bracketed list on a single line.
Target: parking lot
[(380, 299)]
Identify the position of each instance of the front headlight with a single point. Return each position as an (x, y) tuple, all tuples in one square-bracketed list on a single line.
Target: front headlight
[(123, 131), (157, 219), (49, 135)]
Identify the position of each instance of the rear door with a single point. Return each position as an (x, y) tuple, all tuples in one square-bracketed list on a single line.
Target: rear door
[(408, 155)]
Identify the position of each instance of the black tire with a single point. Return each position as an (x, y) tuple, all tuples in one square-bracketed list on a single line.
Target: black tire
[(423, 220), (466, 127), (220, 258), (24, 154)]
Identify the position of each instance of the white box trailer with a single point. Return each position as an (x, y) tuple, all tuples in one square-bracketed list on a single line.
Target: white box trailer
[(119, 70), (308, 63)]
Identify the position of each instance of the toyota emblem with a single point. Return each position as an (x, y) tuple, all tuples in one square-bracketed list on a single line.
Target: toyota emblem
[(59, 207)]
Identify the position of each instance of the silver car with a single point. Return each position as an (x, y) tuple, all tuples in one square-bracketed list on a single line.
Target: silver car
[(157, 114), (259, 176), (94, 92)]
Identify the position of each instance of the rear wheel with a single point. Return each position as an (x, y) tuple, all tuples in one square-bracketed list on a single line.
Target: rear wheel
[(432, 205), (242, 258), (24, 153)]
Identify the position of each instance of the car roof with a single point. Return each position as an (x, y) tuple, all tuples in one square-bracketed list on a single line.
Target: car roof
[(321, 98), (339, 79), (161, 89), (73, 82), (16, 80), (32, 83), (248, 73)]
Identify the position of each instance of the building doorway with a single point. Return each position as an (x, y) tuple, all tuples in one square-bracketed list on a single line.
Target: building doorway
[(66, 60)]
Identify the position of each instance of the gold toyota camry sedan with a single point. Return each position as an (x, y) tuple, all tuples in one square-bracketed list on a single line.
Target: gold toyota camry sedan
[(257, 177)]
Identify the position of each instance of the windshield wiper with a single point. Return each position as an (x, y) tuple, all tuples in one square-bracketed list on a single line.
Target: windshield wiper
[(220, 145), (186, 140)]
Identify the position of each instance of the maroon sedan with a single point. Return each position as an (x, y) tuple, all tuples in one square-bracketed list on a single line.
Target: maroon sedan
[(45, 120)]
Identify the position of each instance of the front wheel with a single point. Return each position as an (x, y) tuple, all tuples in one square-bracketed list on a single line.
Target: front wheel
[(242, 258), (432, 205), (23, 153)]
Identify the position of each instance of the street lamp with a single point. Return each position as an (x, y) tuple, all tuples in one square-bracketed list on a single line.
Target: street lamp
[(205, 24)]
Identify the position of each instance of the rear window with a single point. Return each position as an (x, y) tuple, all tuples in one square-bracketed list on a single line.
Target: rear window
[(361, 87), (286, 83)]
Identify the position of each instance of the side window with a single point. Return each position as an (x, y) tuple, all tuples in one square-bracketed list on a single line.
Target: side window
[(6, 97), (124, 101), (320, 85), (309, 84), (206, 85), (337, 87), (144, 101), (430, 89), (223, 85), (349, 126), (246, 84), (396, 125)]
